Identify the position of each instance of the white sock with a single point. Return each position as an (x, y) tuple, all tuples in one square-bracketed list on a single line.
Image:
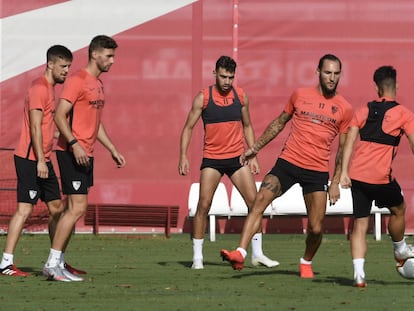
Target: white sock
[(400, 246), (305, 261), (62, 260), (242, 251), (359, 266), (54, 258), (7, 260), (257, 250), (198, 249)]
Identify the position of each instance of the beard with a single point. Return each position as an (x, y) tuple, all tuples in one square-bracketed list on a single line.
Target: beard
[(327, 92), (59, 79)]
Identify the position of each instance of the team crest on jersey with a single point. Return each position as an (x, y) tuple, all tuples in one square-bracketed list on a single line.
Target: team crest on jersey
[(32, 194), (76, 184), (334, 109)]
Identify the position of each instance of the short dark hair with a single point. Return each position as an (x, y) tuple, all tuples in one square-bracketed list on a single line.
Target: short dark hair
[(227, 63), (101, 42), (58, 51), (329, 57), (385, 77)]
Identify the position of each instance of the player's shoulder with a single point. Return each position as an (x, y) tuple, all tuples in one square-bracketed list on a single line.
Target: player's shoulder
[(40, 82), (343, 101), (239, 91), (403, 108), (305, 91), (205, 92), (39, 85), (309, 93), (80, 74)]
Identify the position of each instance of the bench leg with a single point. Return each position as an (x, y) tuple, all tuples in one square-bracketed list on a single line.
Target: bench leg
[(304, 224), (377, 222), (96, 221), (212, 228), (168, 225)]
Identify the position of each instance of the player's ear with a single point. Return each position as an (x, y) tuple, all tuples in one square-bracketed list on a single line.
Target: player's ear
[(50, 64)]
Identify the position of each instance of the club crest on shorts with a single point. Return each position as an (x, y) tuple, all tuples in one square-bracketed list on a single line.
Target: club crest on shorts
[(76, 184), (32, 194)]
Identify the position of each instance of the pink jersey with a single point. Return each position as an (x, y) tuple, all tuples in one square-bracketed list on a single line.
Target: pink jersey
[(316, 121), (85, 93), (371, 162), (40, 96)]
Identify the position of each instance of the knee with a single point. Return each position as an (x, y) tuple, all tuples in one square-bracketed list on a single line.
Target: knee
[(55, 209), (260, 204), (77, 209), (315, 229), (203, 207)]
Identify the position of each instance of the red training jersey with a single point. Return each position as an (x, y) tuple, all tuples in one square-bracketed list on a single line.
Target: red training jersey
[(371, 162), (224, 136), (40, 96), (85, 93), (316, 121)]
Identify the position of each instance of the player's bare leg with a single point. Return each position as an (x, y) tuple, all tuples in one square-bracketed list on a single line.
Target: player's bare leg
[(316, 207), (209, 180), (267, 193), (359, 249)]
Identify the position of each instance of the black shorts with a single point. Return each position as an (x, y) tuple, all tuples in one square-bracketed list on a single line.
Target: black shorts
[(75, 178), (384, 195), (31, 188), (289, 174), (224, 166)]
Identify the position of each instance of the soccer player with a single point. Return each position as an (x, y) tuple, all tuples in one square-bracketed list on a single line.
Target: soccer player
[(224, 110), (78, 118), (379, 126), (318, 115), (36, 178)]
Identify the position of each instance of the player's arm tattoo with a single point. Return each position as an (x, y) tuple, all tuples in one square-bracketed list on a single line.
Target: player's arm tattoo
[(272, 130)]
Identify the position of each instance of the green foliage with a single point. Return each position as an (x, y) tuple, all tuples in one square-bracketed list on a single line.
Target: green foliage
[(152, 273)]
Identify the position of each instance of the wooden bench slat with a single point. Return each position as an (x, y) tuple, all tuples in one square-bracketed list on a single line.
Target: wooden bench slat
[(132, 215)]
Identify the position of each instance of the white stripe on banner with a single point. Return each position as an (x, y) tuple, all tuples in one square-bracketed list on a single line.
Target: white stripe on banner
[(26, 36)]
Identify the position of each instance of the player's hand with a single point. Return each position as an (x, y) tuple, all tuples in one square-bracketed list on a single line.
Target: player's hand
[(333, 193), (42, 169), (80, 155), (119, 159), (345, 181), (254, 166), (183, 167), (246, 156)]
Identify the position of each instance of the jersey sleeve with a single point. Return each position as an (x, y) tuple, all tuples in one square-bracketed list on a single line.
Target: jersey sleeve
[(37, 97), (290, 105), (408, 124), (347, 120), (72, 89)]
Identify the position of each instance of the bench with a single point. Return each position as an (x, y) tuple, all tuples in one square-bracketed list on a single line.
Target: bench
[(290, 203), (164, 216)]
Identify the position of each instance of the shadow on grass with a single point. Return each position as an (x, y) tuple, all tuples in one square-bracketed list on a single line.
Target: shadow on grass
[(187, 264), (349, 282), (262, 272)]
